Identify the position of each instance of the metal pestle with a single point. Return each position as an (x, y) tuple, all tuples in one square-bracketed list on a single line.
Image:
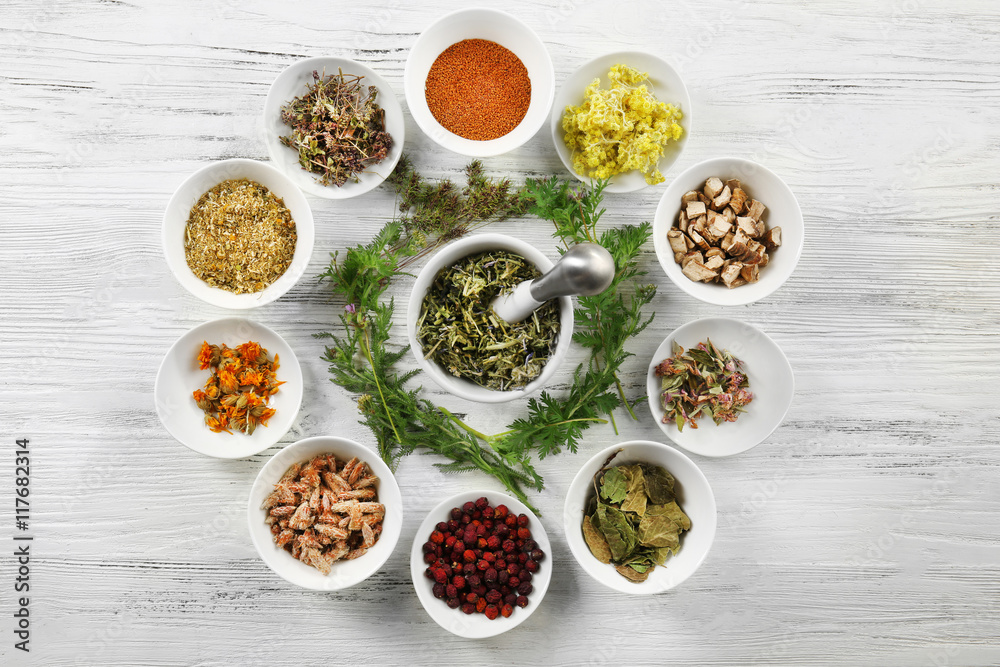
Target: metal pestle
[(584, 270)]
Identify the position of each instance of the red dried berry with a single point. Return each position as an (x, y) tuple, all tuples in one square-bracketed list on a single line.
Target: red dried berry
[(471, 597), (537, 555), (454, 524), (455, 602), (506, 610), (481, 605), (476, 516), (494, 542), (468, 608), (509, 546), (502, 576), (440, 576), (469, 568), (450, 591), (501, 564), (482, 543), (490, 557), (529, 545), (525, 576), (437, 537), (469, 507), (514, 582), (530, 565), (450, 541), (522, 520), (500, 511), (511, 521), (502, 531), (469, 556), (474, 580), (510, 598), (480, 530), (441, 527), (490, 576), (458, 581), (513, 569), (491, 611), (456, 513), (522, 558), (430, 558), (482, 566), (523, 534), (488, 512), (428, 547), (482, 502), (480, 590), (493, 597), (525, 588), (438, 590), (522, 601), (465, 519)]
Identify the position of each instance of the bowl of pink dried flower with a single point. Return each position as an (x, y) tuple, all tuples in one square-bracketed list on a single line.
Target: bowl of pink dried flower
[(325, 513)]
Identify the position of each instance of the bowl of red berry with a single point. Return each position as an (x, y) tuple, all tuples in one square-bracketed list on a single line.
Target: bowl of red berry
[(480, 563)]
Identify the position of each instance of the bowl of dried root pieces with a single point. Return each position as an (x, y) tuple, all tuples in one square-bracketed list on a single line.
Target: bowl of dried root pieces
[(728, 231), (458, 339), (640, 517), (334, 126), (325, 513), (238, 234)]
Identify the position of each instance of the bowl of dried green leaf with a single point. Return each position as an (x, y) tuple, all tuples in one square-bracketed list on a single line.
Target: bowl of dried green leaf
[(640, 517), (462, 344)]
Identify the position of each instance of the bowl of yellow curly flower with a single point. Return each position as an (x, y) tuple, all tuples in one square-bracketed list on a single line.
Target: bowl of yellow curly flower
[(624, 116)]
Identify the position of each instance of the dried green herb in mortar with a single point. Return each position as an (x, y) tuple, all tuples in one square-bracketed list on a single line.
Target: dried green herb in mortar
[(705, 381), (459, 330), (633, 521)]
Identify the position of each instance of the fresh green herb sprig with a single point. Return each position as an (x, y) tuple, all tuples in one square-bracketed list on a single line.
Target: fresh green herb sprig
[(430, 215)]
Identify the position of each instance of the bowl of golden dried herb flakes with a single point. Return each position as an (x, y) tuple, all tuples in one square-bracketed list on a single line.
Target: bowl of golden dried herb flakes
[(624, 115), (747, 394), (246, 417), (238, 234), (640, 517), (351, 144), (462, 344)]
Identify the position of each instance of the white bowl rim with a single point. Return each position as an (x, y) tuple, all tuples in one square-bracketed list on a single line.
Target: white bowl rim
[(606, 574), (472, 148), (447, 255), (272, 433), (306, 181), (616, 185), (437, 609), (304, 229), (720, 295), (255, 516), (653, 393)]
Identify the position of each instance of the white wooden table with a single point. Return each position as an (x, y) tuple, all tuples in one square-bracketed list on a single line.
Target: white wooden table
[(864, 531)]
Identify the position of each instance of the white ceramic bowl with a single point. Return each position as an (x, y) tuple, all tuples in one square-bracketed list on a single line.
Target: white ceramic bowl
[(477, 626), (694, 495), (495, 26), (187, 195), (664, 82), (449, 255), (179, 376), (293, 82), (771, 381), (344, 574), (782, 211)]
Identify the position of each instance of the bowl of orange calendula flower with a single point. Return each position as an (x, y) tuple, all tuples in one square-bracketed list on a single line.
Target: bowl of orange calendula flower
[(229, 388)]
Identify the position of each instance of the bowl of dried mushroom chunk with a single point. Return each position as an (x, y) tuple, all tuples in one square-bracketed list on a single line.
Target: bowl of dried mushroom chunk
[(728, 231), (325, 513)]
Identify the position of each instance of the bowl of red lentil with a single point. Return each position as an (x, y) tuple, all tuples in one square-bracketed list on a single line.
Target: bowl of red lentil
[(238, 234), (479, 82)]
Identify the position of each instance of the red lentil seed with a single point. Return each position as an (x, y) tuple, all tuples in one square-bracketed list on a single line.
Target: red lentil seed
[(478, 90)]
